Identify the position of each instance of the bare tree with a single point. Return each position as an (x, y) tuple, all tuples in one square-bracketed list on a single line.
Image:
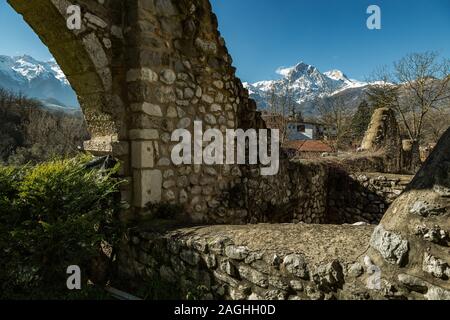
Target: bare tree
[(334, 113), (418, 85), (426, 82), (435, 124), (383, 92), (280, 107)]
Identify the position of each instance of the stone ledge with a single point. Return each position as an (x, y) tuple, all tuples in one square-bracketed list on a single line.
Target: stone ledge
[(251, 262), (270, 262), (100, 145), (318, 243)]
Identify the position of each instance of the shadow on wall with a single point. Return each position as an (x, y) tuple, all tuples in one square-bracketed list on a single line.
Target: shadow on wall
[(351, 201), (319, 193)]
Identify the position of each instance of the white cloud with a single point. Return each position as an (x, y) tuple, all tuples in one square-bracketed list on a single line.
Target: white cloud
[(284, 71)]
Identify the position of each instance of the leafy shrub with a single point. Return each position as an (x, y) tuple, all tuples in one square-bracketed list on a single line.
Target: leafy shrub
[(54, 215), (9, 186)]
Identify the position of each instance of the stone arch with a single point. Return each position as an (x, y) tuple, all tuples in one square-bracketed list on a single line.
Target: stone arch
[(140, 70), (86, 57)]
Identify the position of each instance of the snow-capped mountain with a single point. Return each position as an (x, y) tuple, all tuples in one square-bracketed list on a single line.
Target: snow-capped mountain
[(36, 79), (303, 84)]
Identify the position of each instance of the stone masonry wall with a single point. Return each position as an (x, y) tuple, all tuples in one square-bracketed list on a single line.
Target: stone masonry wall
[(387, 186), (182, 73), (274, 262), (296, 194), (316, 192), (362, 197), (404, 257)]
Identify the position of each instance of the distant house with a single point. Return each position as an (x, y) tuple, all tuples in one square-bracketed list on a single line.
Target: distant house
[(297, 128), (307, 148), (304, 130)]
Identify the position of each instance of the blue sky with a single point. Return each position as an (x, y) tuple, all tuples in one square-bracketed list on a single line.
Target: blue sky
[(16, 37), (263, 35)]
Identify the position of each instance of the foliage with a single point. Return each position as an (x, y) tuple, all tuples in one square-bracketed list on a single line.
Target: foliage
[(335, 113), (361, 121), (54, 215), (418, 87), (32, 133)]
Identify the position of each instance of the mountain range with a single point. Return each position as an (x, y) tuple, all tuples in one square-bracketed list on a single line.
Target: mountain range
[(42, 80), (304, 84)]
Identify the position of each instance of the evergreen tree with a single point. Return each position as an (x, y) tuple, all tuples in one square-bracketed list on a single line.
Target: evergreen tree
[(361, 120)]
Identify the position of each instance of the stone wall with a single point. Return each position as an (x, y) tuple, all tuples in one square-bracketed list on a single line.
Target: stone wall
[(387, 186), (296, 194), (181, 73), (319, 192), (362, 197), (275, 262), (280, 262), (404, 257)]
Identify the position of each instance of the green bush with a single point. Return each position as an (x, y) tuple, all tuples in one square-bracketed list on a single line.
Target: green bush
[(54, 215), (9, 185)]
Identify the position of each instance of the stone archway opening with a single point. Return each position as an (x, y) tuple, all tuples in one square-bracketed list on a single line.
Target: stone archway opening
[(94, 60), (84, 57)]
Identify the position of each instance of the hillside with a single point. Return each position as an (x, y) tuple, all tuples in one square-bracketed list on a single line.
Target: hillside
[(31, 132)]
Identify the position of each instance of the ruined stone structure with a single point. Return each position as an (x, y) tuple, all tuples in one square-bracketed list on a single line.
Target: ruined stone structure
[(404, 257), (411, 242), (142, 68), (383, 135), (362, 197)]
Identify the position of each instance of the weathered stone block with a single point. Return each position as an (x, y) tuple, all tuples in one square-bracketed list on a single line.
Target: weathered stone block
[(143, 74), (95, 50), (150, 109), (147, 187), (142, 154), (144, 134), (237, 252), (390, 245), (253, 276), (296, 265)]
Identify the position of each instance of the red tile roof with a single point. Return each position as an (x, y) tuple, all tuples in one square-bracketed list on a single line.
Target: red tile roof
[(308, 146)]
